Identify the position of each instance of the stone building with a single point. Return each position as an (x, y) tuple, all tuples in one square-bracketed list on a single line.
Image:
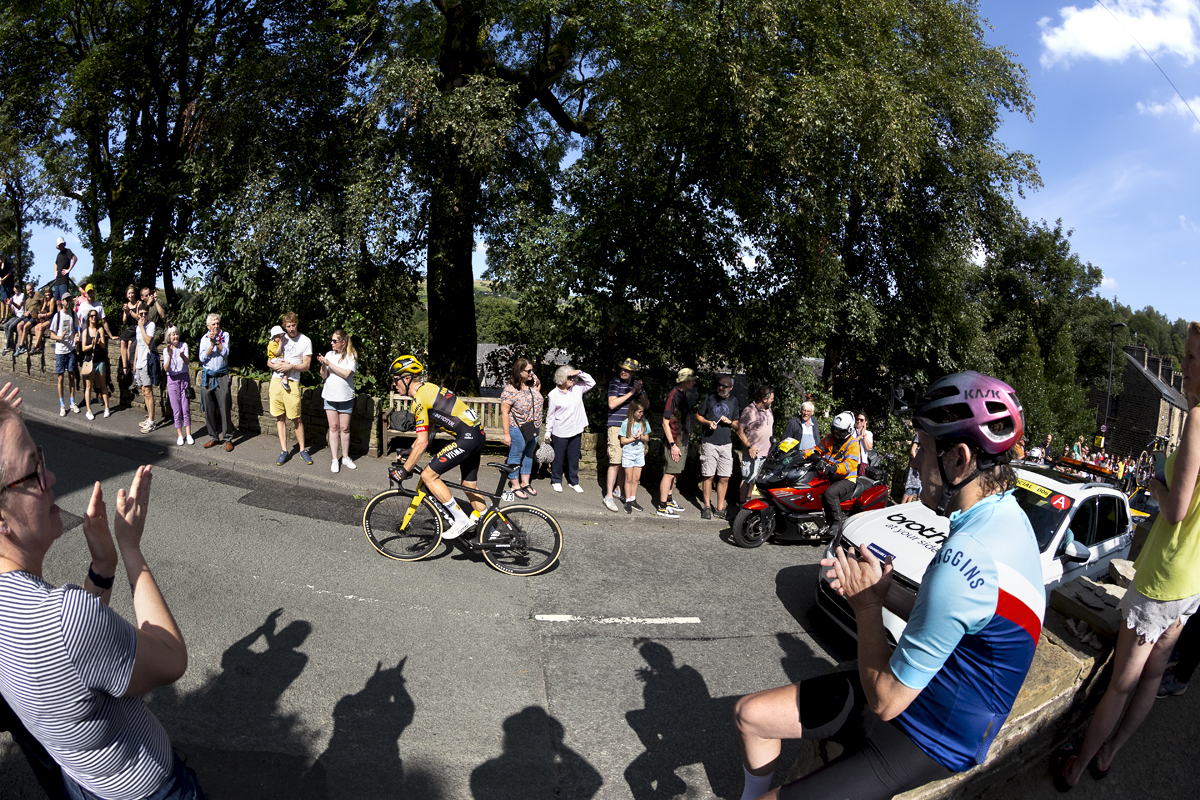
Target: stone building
[(1151, 403)]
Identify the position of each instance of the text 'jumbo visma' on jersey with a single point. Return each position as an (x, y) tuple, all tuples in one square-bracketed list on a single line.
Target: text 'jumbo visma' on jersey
[(972, 634), (441, 407)]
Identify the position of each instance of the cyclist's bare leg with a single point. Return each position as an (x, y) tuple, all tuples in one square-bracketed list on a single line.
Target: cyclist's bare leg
[(477, 501), (433, 482)]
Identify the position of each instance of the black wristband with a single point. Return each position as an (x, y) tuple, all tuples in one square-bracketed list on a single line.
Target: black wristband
[(100, 583)]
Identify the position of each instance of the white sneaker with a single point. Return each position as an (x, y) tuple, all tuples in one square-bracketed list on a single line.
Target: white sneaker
[(187, 438), (89, 414), (74, 407), (179, 441), (334, 467), (578, 489), (458, 528), (556, 487), (347, 463), (62, 412), (611, 504), (108, 413)]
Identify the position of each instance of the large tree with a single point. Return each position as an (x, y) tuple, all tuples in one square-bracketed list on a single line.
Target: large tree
[(772, 180)]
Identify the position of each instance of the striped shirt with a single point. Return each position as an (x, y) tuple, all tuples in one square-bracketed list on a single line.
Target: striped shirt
[(65, 660)]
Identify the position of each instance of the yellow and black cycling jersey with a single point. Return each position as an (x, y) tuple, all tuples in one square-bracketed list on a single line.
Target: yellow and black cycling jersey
[(433, 404)]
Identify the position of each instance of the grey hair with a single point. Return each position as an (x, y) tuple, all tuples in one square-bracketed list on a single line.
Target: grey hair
[(170, 329), (211, 318), (560, 374), (7, 414), (807, 405)]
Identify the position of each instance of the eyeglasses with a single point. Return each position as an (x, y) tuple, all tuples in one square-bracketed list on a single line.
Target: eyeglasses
[(39, 472), (862, 419), (337, 341), (528, 371), (725, 386)]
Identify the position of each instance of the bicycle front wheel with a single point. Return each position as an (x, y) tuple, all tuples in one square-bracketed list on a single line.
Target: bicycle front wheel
[(536, 539), (1145, 468), (384, 524)]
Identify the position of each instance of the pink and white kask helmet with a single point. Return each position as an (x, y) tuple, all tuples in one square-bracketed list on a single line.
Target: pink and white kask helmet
[(976, 409)]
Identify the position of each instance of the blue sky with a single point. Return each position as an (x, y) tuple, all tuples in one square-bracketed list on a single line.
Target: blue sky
[(1118, 152)]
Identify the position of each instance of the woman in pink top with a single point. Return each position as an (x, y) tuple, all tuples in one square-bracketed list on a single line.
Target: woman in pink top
[(565, 423)]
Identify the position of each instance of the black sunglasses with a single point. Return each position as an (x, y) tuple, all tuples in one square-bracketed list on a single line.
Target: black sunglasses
[(39, 472)]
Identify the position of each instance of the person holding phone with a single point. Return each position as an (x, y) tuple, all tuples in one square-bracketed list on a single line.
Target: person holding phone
[(1162, 598), (214, 383)]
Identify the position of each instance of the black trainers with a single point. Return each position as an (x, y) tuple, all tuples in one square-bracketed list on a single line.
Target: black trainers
[(635, 505), (706, 513), (668, 512), (629, 508)]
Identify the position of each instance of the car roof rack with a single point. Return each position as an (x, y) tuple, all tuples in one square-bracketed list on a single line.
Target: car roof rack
[(1067, 470)]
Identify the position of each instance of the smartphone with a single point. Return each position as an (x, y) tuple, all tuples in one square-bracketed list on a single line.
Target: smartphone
[(1160, 467)]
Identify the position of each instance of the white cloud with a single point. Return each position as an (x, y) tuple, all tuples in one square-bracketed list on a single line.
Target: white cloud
[(481, 247), (1108, 283), (1188, 226), (1161, 26), (1174, 108)]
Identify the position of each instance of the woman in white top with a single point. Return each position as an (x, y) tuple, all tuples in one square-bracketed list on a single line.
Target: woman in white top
[(337, 368), (175, 363), (565, 423)]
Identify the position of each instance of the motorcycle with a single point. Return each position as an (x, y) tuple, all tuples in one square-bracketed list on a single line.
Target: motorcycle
[(785, 503)]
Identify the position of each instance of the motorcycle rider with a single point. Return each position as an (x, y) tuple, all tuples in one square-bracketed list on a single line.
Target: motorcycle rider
[(840, 453)]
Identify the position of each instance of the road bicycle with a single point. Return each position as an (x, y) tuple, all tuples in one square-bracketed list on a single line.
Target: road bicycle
[(1143, 470), (407, 525)]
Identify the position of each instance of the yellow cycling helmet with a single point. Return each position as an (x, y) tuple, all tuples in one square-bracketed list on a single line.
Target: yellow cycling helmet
[(407, 365)]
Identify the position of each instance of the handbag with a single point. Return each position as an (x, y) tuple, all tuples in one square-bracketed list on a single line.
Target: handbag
[(85, 368), (528, 431), (545, 453)]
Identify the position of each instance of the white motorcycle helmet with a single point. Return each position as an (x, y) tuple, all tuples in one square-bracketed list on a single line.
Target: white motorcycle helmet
[(843, 424)]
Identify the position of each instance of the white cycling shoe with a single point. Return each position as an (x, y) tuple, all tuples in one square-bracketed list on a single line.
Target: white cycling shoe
[(458, 528)]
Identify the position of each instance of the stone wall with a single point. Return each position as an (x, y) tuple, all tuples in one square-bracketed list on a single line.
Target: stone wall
[(1140, 412)]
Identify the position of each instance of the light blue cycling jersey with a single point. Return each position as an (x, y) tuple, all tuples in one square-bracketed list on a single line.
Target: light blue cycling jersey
[(973, 631)]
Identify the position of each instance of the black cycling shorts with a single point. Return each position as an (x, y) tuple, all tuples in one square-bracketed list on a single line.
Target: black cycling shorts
[(879, 760), (464, 453)]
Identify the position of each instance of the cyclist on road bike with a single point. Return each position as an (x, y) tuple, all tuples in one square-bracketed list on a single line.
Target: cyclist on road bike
[(933, 706), (437, 406)]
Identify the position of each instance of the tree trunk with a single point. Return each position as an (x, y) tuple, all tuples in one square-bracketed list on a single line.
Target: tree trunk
[(450, 282)]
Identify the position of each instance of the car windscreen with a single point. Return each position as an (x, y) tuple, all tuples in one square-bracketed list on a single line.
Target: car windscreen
[(1045, 517)]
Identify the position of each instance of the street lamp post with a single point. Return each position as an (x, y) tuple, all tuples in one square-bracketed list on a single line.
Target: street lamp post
[(1111, 338)]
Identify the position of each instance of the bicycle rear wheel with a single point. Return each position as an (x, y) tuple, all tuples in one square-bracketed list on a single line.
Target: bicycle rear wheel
[(383, 522), (535, 535)]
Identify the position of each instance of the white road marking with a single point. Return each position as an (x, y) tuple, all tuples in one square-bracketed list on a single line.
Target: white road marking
[(618, 620)]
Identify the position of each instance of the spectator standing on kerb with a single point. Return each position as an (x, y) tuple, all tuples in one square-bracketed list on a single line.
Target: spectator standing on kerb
[(566, 420), (175, 360), (64, 262), (635, 434), (143, 357), (337, 368), (214, 383), (804, 427), (677, 429), (156, 314), (521, 414), (285, 403), (621, 390), (718, 418), (912, 484), (62, 333), (755, 426)]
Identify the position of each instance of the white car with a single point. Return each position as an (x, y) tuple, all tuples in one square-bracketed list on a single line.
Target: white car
[(1081, 525)]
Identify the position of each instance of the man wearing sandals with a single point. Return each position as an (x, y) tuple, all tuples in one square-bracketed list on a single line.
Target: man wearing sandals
[(934, 706)]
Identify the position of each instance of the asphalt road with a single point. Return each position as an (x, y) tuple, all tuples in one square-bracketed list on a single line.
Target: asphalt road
[(320, 670)]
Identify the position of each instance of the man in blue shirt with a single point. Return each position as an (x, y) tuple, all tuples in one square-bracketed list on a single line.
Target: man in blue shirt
[(933, 707), (214, 383), (621, 390)]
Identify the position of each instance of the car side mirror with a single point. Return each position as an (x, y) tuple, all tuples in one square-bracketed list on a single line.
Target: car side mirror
[(1076, 553)]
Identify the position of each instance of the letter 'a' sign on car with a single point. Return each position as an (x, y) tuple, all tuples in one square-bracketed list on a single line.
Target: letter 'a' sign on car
[(1061, 502)]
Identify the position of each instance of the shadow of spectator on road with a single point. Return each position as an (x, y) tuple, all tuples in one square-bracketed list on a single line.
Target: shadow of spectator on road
[(263, 747), (363, 757), (681, 724), (533, 743)]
